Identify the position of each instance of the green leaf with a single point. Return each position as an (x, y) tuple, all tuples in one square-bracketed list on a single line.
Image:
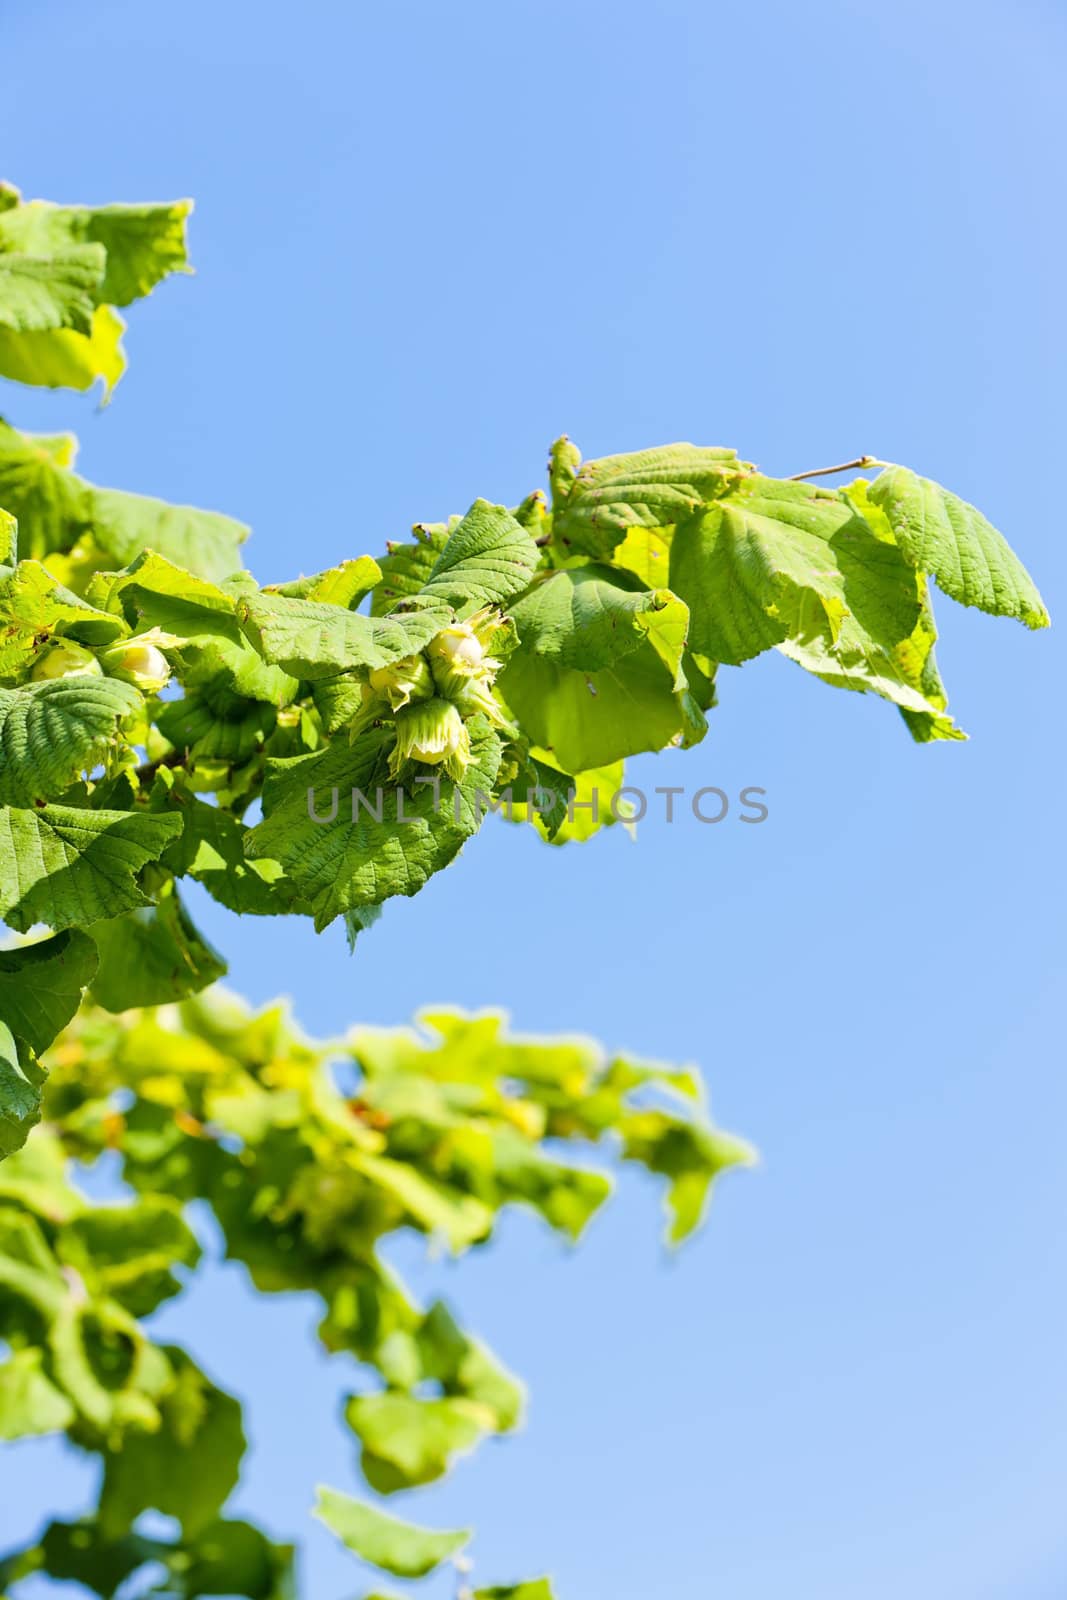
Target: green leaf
[(41, 985), (63, 358), (438, 1209), (338, 699), (38, 488), (127, 1252), (231, 1558), (589, 802), (225, 1558), (153, 591), (28, 1269), (30, 1403), (691, 1155), (139, 245), (885, 634), (536, 1589), (205, 542), (212, 723), (594, 505), (781, 564), (152, 956), (69, 867), (211, 650), (36, 1179), (465, 1367), (917, 660), (38, 293), (567, 1197), (55, 508), (346, 864), (965, 555), (312, 639), (758, 567), (9, 540), (53, 329), (547, 787), (407, 567), (40, 990), (591, 617), (212, 850), (858, 661), (358, 921), (488, 557), (409, 1441), (402, 1548), (598, 674), (76, 1552), (101, 1358), (646, 552), (20, 1094), (345, 585), (55, 730), (35, 609), (186, 1469)]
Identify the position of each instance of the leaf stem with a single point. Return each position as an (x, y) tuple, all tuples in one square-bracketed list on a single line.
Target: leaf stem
[(844, 466)]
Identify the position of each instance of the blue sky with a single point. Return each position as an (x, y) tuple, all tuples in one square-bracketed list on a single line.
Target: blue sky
[(429, 239)]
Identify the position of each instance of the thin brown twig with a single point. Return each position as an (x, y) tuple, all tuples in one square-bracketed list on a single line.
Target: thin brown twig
[(844, 466)]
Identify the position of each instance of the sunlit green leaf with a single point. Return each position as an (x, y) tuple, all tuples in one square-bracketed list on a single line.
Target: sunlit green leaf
[(965, 555), (407, 566), (360, 858), (313, 639), (139, 245), (595, 504), (20, 1092), (59, 291), (76, 1552), (402, 1548), (345, 585), (151, 956), (211, 850), (230, 1557), (70, 867), (187, 1468), (599, 672), (128, 1252), (408, 1441), (29, 1402), (9, 540), (758, 567), (41, 985), (52, 731), (488, 557), (63, 358), (35, 610), (535, 1589)]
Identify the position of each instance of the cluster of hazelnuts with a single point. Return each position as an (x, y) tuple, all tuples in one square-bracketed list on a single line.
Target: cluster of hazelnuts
[(431, 696)]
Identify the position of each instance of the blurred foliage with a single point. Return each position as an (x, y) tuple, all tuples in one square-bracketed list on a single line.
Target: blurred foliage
[(309, 1155)]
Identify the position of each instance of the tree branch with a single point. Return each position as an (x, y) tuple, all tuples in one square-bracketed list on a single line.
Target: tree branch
[(844, 466)]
